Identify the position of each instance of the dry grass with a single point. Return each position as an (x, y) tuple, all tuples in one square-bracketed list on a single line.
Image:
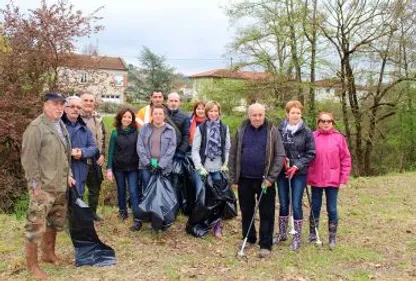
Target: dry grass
[(376, 241)]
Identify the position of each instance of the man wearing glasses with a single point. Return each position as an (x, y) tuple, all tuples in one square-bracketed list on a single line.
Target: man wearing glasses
[(95, 175), (82, 141)]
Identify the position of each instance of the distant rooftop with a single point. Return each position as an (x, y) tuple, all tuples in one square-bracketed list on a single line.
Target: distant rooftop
[(95, 62), (227, 73)]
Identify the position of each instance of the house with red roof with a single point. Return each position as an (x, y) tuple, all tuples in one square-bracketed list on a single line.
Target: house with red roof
[(105, 77), (209, 78)]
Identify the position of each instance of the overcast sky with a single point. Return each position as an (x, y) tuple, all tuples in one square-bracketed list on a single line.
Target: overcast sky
[(191, 34)]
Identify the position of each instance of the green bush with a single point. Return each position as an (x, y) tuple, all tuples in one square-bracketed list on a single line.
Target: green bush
[(109, 107), (233, 121), (21, 205)]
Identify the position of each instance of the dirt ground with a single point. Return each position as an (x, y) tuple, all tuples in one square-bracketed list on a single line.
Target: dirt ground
[(376, 241)]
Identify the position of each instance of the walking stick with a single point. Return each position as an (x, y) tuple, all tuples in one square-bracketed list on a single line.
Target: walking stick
[(264, 190)]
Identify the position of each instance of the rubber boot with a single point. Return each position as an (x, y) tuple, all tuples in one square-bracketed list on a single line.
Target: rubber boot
[(283, 222), (332, 234), (217, 230), (48, 247), (297, 236), (32, 262), (312, 232)]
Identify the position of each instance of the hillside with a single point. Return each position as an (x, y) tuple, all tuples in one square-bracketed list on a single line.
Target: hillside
[(376, 241)]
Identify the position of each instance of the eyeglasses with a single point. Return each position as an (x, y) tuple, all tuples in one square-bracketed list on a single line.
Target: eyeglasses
[(74, 106), (325, 121)]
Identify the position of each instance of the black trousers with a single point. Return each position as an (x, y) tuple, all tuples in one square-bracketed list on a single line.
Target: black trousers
[(248, 190), (94, 187)]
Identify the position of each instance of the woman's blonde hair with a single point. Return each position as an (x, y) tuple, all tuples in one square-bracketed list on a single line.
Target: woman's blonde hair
[(210, 104), (330, 114), (293, 103)]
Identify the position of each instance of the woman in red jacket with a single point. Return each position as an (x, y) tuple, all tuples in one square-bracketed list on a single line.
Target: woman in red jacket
[(329, 171)]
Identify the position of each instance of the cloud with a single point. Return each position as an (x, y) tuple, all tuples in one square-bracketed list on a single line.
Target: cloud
[(180, 29)]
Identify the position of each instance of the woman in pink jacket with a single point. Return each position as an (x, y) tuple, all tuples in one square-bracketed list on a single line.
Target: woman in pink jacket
[(329, 171)]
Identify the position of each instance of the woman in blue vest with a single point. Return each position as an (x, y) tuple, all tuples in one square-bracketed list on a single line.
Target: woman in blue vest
[(123, 161), (211, 149)]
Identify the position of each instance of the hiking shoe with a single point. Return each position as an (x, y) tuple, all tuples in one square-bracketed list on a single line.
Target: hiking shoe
[(264, 253), (123, 216), (137, 225)]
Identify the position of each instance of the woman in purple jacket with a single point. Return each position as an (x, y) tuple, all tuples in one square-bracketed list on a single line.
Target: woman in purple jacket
[(329, 171)]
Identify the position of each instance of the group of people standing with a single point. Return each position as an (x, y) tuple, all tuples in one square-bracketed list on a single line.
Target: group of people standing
[(65, 147)]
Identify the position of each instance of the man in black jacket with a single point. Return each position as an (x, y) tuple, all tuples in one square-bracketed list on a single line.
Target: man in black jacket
[(256, 159), (180, 123)]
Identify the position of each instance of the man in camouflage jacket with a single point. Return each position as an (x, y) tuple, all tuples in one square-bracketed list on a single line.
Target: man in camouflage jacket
[(46, 156)]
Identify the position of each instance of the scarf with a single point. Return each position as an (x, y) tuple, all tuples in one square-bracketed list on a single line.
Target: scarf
[(293, 128), (195, 121), (213, 147)]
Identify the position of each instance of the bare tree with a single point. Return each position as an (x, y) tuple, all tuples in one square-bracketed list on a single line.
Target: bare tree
[(356, 29), (310, 26), (274, 40), (351, 26)]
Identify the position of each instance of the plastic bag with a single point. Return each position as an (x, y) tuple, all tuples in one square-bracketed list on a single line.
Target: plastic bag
[(159, 205), (214, 201), (181, 179), (89, 250)]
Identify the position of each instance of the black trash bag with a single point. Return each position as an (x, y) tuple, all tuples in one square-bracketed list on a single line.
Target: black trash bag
[(177, 179), (227, 196), (159, 205), (187, 188), (89, 250), (181, 179), (215, 201)]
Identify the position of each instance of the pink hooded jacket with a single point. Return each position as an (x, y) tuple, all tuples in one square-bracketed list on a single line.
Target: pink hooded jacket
[(332, 163)]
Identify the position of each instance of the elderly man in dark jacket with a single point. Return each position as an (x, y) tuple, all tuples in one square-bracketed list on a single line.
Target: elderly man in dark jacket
[(256, 159), (82, 141)]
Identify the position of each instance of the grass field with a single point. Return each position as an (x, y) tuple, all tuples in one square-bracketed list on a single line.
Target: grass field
[(376, 241)]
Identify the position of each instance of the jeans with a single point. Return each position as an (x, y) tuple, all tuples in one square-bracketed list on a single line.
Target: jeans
[(196, 178), (199, 184), (145, 176), (248, 190), (298, 186), (132, 179), (331, 194)]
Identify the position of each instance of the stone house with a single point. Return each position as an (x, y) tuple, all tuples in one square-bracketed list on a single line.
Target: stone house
[(105, 77)]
